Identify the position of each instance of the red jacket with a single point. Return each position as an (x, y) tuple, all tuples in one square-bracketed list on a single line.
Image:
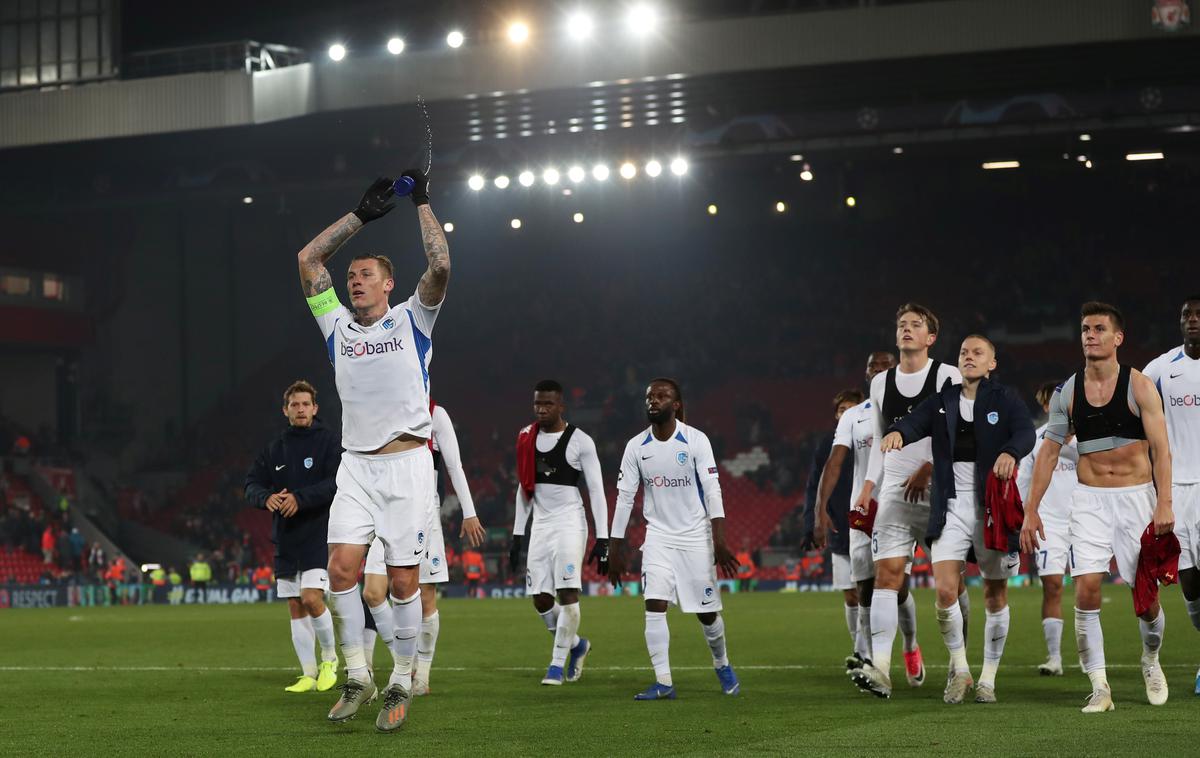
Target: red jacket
[(527, 459), (1157, 562), (1003, 513), (864, 522)]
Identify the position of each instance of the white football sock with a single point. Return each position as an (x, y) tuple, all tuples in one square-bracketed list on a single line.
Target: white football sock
[(884, 619), (658, 642), (714, 634), (427, 644), (1052, 629), (863, 643), (1090, 638), (907, 617), (385, 623), (852, 621), (323, 626), (1193, 609), (406, 615), (1152, 633), (995, 634), (550, 619), (347, 607), (950, 622), (303, 640), (564, 636), (369, 637)]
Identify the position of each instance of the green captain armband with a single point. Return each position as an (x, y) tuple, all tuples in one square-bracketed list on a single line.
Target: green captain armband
[(324, 302)]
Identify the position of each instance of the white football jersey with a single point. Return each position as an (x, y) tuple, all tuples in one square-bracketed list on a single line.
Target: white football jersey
[(1056, 503), (381, 371), (443, 440), (558, 506), (856, 432), (1178, 380), (895, 467), (675, 475)]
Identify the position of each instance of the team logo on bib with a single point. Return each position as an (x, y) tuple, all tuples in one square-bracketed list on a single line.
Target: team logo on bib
[(993, 418), (681, 458), (388, 323), (308, 462)]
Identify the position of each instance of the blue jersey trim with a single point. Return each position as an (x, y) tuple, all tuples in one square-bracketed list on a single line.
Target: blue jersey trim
[(424, 345), (1178, 357), (649, 436), (329, 343)]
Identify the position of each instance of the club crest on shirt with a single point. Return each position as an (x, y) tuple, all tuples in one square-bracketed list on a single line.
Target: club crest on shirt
[(388, 323), (708, 592), (308, 463), (436, 561), (420, 538), (681, 458), (993, 418), (570, 569)]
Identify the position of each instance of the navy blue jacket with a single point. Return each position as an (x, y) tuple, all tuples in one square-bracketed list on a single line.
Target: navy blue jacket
[(1002, 425), (305, 461), (838, 506)]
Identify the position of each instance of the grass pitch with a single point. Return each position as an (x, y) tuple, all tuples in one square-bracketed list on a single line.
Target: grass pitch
[(208, 680)]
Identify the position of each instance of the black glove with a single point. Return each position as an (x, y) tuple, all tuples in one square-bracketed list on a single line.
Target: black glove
[(374, 203), (420, 193), (599, 554), (514, 554)]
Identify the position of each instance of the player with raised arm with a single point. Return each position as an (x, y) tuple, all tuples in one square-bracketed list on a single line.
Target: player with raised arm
[(434, 570), (685, 533), (1053, 556), (1124, 488), (1176, 373), (552, 455), (979, 430), (856, 432), (902, 518), (385, 483)]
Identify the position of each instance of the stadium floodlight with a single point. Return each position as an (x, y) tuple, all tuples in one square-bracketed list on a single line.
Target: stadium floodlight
[(455, 39), (795, 157), (525, 178), (580, 26), (897, 150), (628, 170), (501, 182), (577, 218), (679, 167), (712, 209), (781, 207), (806, 175), (1085, 138), (653, 169), (247, 200), (576, 174), (448, 227), (992, 165), (1144, 156), (518, 32), (475, 182), (600, 172), (395, 46), (550, 176), (337, 52), (515, 223), (642, 19), (850, 201)]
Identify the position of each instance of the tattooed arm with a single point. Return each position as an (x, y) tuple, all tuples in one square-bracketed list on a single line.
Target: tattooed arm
[(432, 287), (314, 277)]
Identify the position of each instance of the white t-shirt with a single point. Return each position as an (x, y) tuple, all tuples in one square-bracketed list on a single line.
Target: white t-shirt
[(445, 441), (682, 488), (856, 432), (381, 371), (964, 471), (1178, 380), (558, 506), (896, 466), (1056, 504)]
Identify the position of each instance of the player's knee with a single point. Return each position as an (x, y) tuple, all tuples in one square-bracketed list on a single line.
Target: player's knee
[(947, 596), (568, 597), (296, 608), (656, 606), (707, 619), (543, 602), (995, 595), (374, 595), (314, 604)]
